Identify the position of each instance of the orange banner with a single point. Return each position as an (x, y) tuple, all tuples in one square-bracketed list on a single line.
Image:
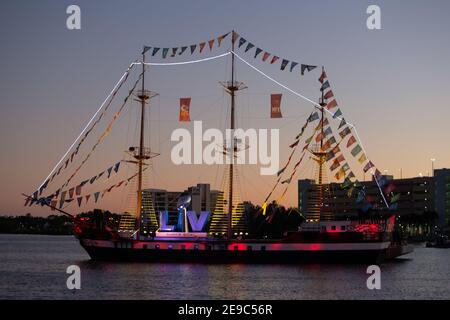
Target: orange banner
[(184, 109)]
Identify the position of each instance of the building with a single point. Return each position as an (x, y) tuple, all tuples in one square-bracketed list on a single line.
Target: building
[(442, 195), (417, 195)]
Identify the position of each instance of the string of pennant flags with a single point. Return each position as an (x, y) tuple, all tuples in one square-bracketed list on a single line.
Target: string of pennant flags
[(95, 195), (99, 141), (339, 162), (74, 190), (266, 56), (70, 158), (236, 38)]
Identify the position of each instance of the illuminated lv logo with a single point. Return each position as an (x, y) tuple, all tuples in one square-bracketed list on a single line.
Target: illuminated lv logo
[(197, 223)]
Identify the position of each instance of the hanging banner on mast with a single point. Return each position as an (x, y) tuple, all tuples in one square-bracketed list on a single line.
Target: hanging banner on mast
[(275, 106), (184, 109)]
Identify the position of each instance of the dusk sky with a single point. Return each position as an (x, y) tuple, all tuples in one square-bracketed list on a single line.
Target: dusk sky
[(391, 83)]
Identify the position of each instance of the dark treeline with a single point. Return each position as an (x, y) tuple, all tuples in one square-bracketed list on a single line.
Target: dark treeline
[(53, 225)]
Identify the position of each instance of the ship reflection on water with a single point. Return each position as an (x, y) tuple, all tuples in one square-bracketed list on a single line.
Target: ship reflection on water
[(34, 267)]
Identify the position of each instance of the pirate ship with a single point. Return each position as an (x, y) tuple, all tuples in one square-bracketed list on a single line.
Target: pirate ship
[(220, 236)]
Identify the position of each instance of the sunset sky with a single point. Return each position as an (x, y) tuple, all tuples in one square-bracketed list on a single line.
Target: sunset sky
[(390, 83)]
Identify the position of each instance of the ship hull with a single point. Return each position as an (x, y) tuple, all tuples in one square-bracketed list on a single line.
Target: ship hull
[(273, 253)]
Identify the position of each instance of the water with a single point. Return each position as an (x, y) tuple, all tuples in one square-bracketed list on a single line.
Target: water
[(34, 267)]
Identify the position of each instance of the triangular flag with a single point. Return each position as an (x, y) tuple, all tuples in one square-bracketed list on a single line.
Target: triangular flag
[(307, 67), (202, 46), (294, 144), (174, 51), (79, 200), (258, 51), (329, 94), (211, 44), (96, 196), (87, 198), (116, 167), (274, 59), (356, 150), (220, 38), (164, 53), (155, 50), (146, 49), (109, 171), (265, 56), (368, 166), (92, 180), (351, 141), (71, 192), (241, 42), (338, 113), (193, 47), (325, 85), (323, 76), (362, 159), (343, 123), (293, 65), (284, 63), (183, 49), (249, 46)]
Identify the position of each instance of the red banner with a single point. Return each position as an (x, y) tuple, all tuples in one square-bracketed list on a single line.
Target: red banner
[(275, 109), (184, 109)]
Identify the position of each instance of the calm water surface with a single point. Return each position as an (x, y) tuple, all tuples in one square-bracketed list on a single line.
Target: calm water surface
[(34, 267)]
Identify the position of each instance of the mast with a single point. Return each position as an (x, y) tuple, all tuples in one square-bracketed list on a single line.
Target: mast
[(142, 153), (140, 158), (232, 89), (232, 86)]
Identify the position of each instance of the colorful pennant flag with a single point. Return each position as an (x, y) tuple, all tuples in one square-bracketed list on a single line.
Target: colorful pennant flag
[(202, 46), (249, 46), (266, 55), (362, 159), (293, 65), (332, 104), (241, 42), (368, 166), (345, 132), (313, 117), (284, 63), (338, 113), (257, 52), (306, 67), (274, 59), (323, 76), (351, 141), (193, 47), (211, 44), (356, 150), (329, 95), (164, 53)]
